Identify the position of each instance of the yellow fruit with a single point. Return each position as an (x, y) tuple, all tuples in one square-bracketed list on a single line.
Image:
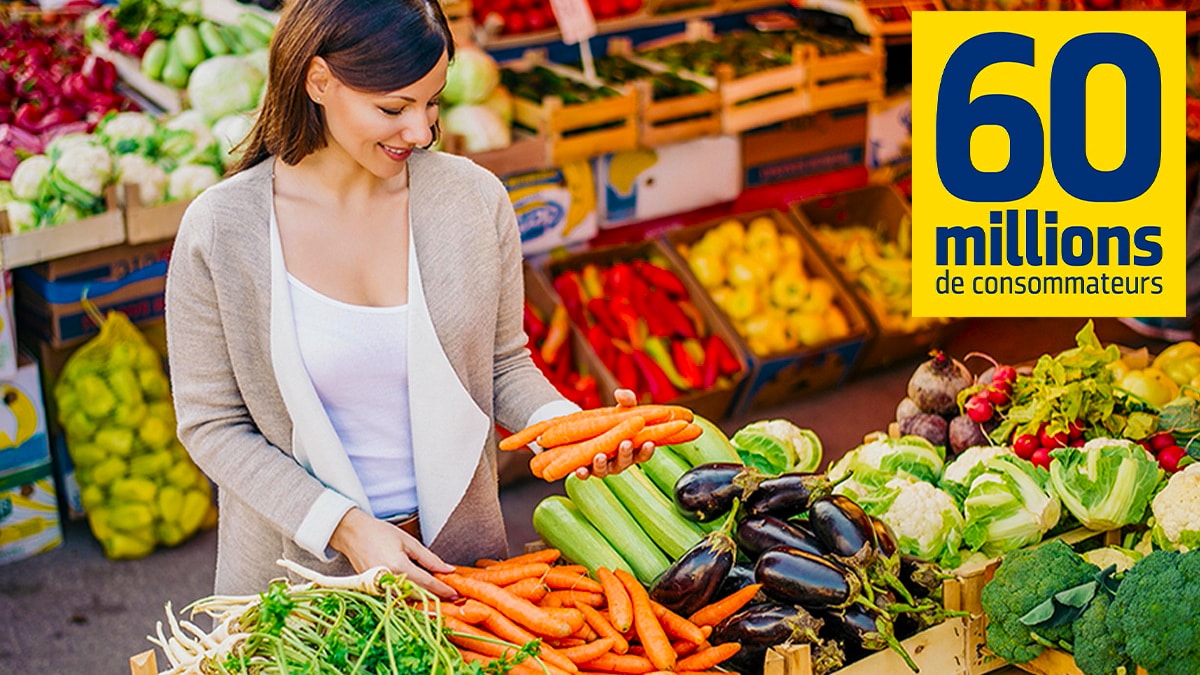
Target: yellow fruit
[(820, 296), (808, 328), (709, 269), (836, 322), (761, 234), (789, 247), (742, 270), (1151, 385), (789, 291), (741, 303), (732, 232)]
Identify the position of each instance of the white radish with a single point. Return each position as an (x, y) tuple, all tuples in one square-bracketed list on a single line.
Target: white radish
[(370, 581)]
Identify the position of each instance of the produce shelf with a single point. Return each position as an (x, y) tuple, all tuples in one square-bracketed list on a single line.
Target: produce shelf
[(937, 650), (154, 223), (33, 246)]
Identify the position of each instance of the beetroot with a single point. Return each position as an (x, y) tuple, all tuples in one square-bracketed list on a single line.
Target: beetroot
[(934, 386), (965, 433), (932, 428), (906, 409)]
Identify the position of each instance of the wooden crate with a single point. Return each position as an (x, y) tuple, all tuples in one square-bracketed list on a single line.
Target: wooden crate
[(145, 224), (964, 594), (145, 663), (839, 80), (937, 651), (33, 246), (526, 153), (577, 131), (673, 120)]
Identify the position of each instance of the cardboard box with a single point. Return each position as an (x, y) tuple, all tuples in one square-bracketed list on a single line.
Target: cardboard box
[(53, 311), (29, 522), (652, 182), (882, 208), (889, 132), (780, 377), (555, 207), (713, 403), (803, 146), (111, 262), (151, 223)]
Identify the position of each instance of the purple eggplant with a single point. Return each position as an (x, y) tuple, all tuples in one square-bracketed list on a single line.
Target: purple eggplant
[(707, 492), (756, 534), (693, 580), (739, 577), (885, 538), (864, 627), (787, 494), (794, 576), (760, 627), (921, 577), (841, 525)]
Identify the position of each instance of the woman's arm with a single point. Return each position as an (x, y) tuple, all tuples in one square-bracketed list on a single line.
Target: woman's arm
[(214, 423)]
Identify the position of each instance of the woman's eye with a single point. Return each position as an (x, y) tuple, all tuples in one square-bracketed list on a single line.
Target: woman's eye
[(435, 103), (391, 112)]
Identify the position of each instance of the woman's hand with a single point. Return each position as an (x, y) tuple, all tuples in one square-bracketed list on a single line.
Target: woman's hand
[(626, 455), (369, 542)]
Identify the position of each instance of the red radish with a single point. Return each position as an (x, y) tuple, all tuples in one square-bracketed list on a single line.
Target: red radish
[(1078, 443), (978, 408), (1163, 439), (1169, 458), (1075, 430), (1024, 445), (1145, 443), (1041, 457), (1057, 440), (1004, 374), (998, 396)]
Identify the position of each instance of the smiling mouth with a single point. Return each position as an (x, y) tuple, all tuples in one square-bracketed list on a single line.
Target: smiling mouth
[(396, 153)]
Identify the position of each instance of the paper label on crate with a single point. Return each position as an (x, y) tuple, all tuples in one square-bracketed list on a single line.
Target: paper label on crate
[(554, 206), (1048, 166), (575, 20)]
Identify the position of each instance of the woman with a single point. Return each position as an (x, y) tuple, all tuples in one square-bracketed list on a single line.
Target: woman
[(344, 315)]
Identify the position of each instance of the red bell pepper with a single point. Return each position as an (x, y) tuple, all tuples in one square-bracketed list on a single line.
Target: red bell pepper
[(660, 388), (618, 279), (602, 316), (686, 364), (564, 363), (568, 289), (661, 278), (601, 343)]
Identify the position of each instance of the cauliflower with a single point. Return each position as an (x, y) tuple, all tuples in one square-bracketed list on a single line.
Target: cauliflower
[(150, 178), (885, 458), (1008, 507), (22, 216), (778, 446), (1107, 483), (965, 468), (926, 521), (1176, 510), (187, 139), (29, 178), (63, 212), (190, 180), (81, 172), (128, 132), (230, 131), (58, 146)]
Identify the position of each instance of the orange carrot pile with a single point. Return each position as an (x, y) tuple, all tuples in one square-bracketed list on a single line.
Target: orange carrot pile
[(603, 626), (572, 441)]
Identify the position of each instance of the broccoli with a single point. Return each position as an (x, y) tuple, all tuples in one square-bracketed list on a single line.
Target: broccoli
[(1154, 613), (1027, 578), (1098, 651)]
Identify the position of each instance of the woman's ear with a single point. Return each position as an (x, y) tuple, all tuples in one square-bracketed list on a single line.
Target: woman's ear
[(318, 79)]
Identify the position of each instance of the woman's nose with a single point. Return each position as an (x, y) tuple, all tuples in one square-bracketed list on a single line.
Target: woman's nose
[(417, 132)]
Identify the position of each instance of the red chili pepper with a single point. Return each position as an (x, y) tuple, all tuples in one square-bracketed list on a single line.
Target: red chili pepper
[(660, 388), (567, 287), (634, 327), (535, 325), (712, 362), (617, 279), (669, 314), (602, 316), (661, 278), (727, 363), (556, 334), (693, 313), (601, 343), (563, 364), (686, 364), (626, 371)]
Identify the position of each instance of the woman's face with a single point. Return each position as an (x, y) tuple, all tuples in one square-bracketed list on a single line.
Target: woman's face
[(379, 131)]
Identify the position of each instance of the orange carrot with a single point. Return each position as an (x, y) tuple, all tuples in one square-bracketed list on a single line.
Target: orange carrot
[(577, 569), (586, 633), (545, 555), (619, 663), (530, 588), (471, 611), (570, 598), (563, 643), (572, 616), (537, 465), (503, 575), (683, 647), (588, 652), (506, 629), (566, 580), (525, 436), (657, 433), (604, 628), (466, 636), (677, 626), (518, 609), (716, 612), (574, 430), (620, 611), (707, 658), (576, 455), (464, 569), (689, 433), (649, 631), (526, 667)]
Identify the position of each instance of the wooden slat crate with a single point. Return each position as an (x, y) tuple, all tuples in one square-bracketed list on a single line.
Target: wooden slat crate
[(839, 80), (938, 650), (155, 223), (47, 243), (577, 131)]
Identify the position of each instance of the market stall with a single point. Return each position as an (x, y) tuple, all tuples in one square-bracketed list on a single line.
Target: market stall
[(713, 200)]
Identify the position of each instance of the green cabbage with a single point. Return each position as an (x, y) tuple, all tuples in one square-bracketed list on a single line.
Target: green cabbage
[(224, 85), (1107, 483), (471, 76), (966, 467), (1008, 507), (880, 460), (481, 128), (778, 446)]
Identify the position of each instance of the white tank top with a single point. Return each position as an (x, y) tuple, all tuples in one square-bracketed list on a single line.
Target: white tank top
[(357, 359)]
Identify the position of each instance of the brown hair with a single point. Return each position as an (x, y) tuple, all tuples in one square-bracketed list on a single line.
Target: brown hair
[(374, 46)]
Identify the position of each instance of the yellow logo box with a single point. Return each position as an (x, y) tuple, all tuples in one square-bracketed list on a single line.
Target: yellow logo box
[(1048, 164)]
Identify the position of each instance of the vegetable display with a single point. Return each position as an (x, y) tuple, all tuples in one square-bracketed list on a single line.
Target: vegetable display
[(553, 352)]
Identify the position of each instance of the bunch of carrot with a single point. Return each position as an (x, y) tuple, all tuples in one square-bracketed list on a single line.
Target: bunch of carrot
[(572, 441), (601, 626)]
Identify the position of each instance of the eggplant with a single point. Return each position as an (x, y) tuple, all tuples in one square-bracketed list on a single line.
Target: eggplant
[(885, 538), (760, 627), (921, 577), (756, 534), (788, 494), (795, 576), (693, 580), (865, 627), (841, 525), (739, 577), (707, 492)]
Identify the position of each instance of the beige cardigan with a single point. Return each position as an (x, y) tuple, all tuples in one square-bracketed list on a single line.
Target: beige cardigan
[(249, 415)]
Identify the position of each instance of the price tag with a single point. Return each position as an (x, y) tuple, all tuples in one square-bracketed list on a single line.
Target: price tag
[(575, 20), (1048, 164)]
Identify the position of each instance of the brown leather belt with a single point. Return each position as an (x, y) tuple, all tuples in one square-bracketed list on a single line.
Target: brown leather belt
[(410, 524)]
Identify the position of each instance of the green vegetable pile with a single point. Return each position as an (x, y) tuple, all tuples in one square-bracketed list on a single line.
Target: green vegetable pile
[(137, 483), (1049, 596)]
